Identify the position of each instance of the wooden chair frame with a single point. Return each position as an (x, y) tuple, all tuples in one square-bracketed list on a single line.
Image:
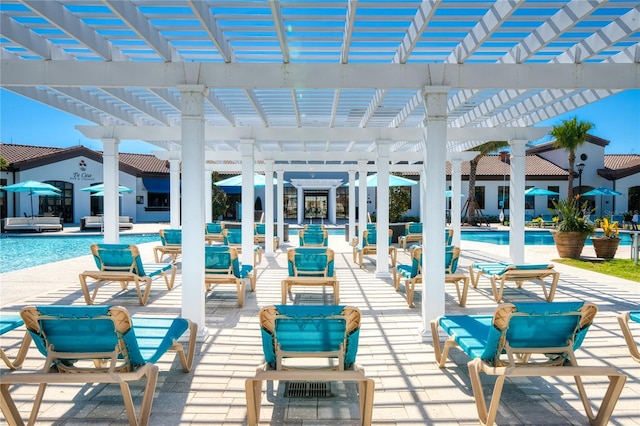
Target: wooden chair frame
[(226, 275), (359, 251), (9, 323), (624, 319), (211, 237)]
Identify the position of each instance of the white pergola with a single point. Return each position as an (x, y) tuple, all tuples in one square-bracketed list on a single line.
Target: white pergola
[(284, 85)]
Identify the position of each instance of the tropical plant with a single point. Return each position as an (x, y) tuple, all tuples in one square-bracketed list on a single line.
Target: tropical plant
[(571, 216), (570, 135), (399, 201), (219, 205), (610, 229), (4, 164), (484, 149)]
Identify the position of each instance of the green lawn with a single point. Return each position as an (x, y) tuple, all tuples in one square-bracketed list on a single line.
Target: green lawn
[(621, 268)]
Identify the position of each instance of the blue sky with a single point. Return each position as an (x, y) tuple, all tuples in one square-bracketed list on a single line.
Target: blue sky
[(23, 121)]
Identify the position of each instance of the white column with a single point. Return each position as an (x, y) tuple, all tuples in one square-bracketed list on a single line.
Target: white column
[(433, 299), (174, 197), (423, 196), (300, 190), (280, 205), (516, 200), (192, 109), (208, 181), (268, 208), (248, 200), (352, 205), (110, 170), (456, 188), (332, 205), (362, 198), (382, 210)]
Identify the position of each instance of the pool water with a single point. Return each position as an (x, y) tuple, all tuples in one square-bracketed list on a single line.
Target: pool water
[(543, 238), (24, 252)]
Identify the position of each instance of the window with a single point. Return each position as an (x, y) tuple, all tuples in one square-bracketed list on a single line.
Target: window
[(529, 201), (158, 200), (480, 197), (503, 197), (290, 195), (342, 202), (550, 198)]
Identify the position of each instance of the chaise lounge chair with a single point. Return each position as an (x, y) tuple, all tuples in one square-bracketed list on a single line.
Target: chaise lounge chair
[(122, 263), (412, 274), (526, 340), (233, 238), (9, 323), (171, 244), (412, 233), (213, 232), (503, 272), (97, 344), (259, 233), (313, 238), (329, 333), (369, 246), (310, 267), (222, 266), (624, 319)]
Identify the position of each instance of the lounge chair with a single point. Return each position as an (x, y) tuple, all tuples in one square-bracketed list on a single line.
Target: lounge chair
[(9, 323), (222, 266), (310, 267), (504, 272), (369, 246), (623, 319), (314, 227), (233, 238), (259, 234), (122, 263), (313, 238), (448, 240), (412, 233), (412, 274), (547, 220), (213, 232), (329, 333), (171, 244), (526, 340), (97, 344)]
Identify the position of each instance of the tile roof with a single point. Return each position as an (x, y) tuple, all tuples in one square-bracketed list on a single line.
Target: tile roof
[(618, 166), (22, 157), (548, 146)]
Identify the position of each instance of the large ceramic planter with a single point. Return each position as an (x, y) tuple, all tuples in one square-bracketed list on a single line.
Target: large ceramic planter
[(605, 247), (569, 244)]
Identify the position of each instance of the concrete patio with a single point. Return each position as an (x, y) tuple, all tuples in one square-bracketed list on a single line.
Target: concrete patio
[(410, 388)]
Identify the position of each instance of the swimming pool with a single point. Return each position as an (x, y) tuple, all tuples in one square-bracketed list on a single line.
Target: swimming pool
[(24, 252), (543, 238)]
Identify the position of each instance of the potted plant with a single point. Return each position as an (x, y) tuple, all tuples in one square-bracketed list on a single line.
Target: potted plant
[(571, 229), (607, 245)]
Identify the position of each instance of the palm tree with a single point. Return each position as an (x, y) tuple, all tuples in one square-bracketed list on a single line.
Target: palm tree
[(4, 164), (485, 149), (570, 135)]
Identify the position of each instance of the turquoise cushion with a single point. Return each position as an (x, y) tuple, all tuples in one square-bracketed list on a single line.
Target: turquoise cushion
[(172, 237), (406, 271), (307, 328), (634, 316), (313, 237), (310, 259), (155, 336), (413, 228), (214, 228), (9, 322), (259, 229)]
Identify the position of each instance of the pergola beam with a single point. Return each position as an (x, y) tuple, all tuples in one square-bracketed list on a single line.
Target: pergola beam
[(302, 75)]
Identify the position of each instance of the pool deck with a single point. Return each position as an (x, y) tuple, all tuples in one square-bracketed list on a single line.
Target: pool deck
[(410, 388)]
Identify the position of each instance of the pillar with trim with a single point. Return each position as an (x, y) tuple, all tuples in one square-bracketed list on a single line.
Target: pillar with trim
[(248, 199), (382, 211), (280, 204), (268, 208), (111, 198), (516, 200)]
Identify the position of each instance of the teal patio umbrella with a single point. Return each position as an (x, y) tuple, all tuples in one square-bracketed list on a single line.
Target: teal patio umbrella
[(534, 191), (258, 181), (32, 187), (372, 181), (100, 188), (601, 191)]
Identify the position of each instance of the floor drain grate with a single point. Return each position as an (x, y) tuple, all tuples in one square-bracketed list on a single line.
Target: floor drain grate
[(307, 390)]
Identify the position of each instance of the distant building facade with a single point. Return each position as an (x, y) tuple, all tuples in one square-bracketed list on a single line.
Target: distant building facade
[(321, 196)]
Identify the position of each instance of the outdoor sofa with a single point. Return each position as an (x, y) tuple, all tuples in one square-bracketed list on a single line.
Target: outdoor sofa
[(35, 224), (97, 222)]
